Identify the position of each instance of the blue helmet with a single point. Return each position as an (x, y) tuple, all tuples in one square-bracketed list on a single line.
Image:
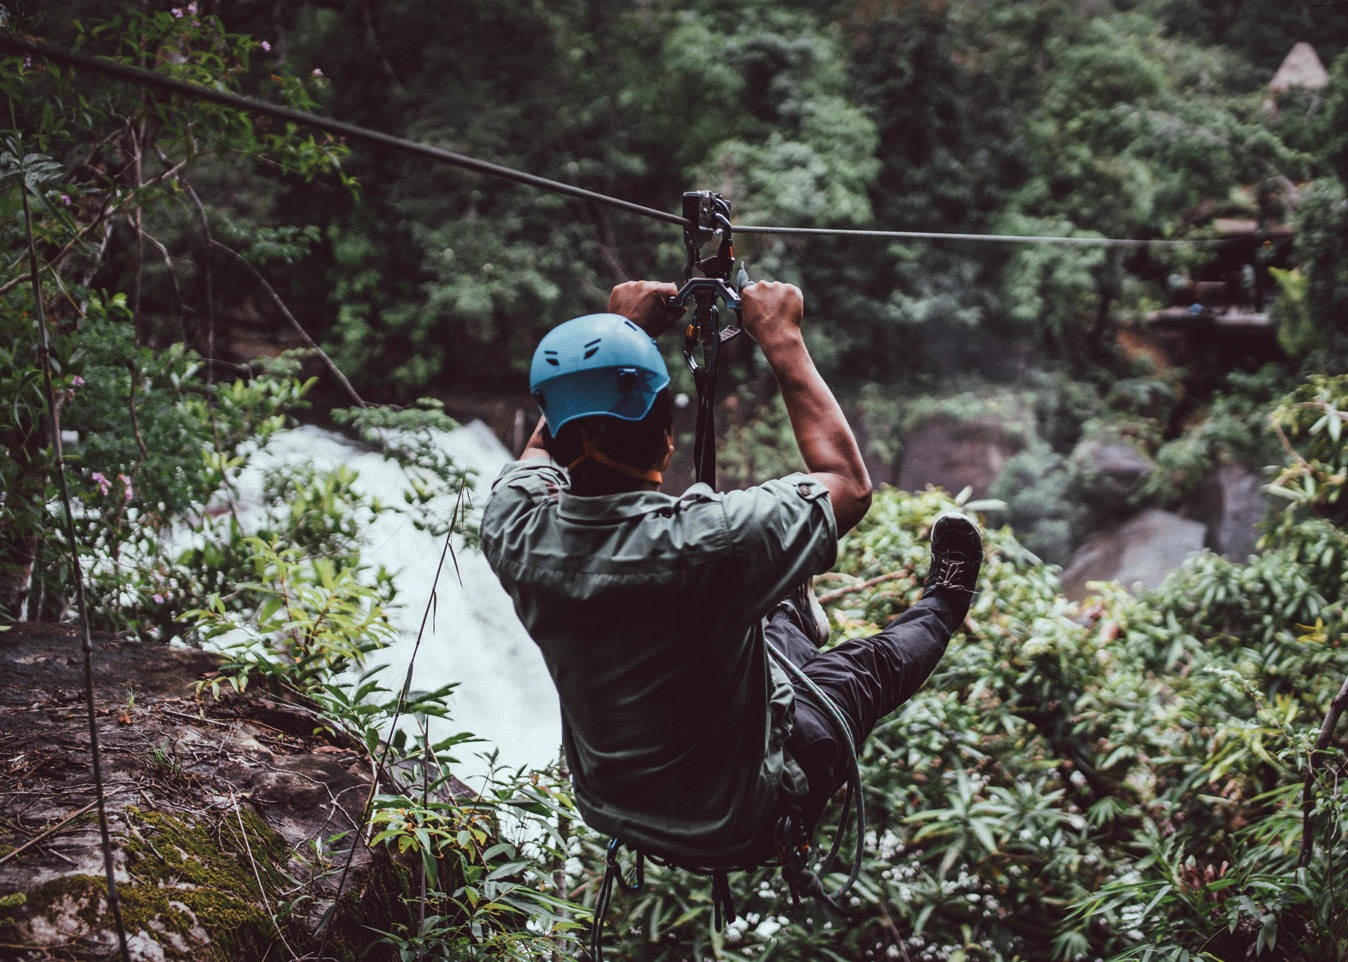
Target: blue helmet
[(596, 364)]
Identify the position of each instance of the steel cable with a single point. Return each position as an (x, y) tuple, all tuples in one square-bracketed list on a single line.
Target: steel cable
[(355, 132), (341, 128)]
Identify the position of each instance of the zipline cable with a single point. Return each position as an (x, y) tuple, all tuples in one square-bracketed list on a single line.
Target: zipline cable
[(341, 128), (353, 131), (1077, 239)]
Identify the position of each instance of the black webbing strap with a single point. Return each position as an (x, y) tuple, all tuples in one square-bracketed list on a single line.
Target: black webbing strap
[(613, 875), (706, 217)]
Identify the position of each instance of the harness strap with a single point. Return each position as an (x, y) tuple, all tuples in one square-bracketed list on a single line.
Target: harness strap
[(613, 873), (590, 452), (722, 905)]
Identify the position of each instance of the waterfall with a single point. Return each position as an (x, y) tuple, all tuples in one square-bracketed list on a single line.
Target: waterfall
[(472, 636)]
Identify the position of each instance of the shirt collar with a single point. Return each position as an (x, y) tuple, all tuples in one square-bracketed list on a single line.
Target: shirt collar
[(610, 507)]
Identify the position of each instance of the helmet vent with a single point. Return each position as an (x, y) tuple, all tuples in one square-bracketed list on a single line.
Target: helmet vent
[(551, 358), (592, 347)]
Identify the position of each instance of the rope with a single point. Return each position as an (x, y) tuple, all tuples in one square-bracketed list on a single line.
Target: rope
[(354, 132), (853, 798), (613, 874), (86, 637)]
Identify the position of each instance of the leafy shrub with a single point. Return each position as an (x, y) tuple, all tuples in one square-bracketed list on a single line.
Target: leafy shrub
[(1036, 485), (1231, 429), (155, 443)]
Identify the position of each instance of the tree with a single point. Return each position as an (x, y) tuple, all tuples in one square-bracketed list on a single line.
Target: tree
[(108, 171)]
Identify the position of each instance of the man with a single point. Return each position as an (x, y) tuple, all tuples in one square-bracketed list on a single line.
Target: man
[(652, 611)]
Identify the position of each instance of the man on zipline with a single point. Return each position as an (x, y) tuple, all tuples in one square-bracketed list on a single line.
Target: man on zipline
[(653, 610)]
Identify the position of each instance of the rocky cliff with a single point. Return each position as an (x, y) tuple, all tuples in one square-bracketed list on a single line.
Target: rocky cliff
[(231, 817)]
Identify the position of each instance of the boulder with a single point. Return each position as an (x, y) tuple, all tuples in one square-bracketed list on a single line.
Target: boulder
[(1230, 504), (230, 817), (1137, 553), (954, 454), (1108, 471)]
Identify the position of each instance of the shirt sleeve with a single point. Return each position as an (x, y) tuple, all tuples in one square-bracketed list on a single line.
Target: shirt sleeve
[(784, 532), (519, 487), (535, 477)]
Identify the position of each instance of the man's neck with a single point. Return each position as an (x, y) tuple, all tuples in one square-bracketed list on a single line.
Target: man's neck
[(603, 482)]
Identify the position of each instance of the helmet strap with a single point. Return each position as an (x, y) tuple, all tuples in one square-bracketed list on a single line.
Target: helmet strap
[(590, 452)]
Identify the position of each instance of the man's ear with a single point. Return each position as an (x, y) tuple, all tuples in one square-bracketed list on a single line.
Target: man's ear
[(669, 450)]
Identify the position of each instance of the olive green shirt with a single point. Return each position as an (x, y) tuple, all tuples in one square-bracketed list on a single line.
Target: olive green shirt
[(648, 610)]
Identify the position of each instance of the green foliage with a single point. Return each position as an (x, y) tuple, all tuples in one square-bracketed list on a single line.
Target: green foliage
[(1314, 298), (314, 619), (1310, 423), (1036, 484), (754, 442), (154, 432), (950, 116), (1232, 428), (1120, 119), (156, 443), (488, 897), (149, 445), (410, 437), (1051, 289), (481, 867)]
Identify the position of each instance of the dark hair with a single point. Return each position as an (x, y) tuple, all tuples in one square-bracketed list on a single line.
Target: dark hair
[(639, 444)]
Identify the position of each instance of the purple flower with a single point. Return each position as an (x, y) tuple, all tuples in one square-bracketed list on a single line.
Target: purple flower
[(65, 199), (158, 598), (77, 381), (126, 486), (317, 72), (265, 45), (103, 483), (192, 8), (177, 13)]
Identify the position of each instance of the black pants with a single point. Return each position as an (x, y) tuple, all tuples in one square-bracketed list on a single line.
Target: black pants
[(867, 678)]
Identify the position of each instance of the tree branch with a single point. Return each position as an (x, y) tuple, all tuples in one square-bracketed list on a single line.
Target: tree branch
[(177, 288), (831, 596), (1336, 706), (207, 243), (60, 255), (103, 214), (299, 328), (48, 833)]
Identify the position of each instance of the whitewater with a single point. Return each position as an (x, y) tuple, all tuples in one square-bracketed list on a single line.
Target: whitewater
[(472, 637)]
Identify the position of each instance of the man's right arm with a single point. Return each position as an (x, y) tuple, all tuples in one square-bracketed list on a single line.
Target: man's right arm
[(772, 314)]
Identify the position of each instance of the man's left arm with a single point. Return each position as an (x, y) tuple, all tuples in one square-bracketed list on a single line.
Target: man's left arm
[(534, 448)]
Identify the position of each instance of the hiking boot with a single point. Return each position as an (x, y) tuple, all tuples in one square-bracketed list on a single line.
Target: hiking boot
[(956, 556), (808, 614)]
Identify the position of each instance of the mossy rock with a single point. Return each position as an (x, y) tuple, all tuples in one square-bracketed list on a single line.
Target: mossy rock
[(205, 890)]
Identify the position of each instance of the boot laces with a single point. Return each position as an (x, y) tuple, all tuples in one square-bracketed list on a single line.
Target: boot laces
[(947, 571)]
